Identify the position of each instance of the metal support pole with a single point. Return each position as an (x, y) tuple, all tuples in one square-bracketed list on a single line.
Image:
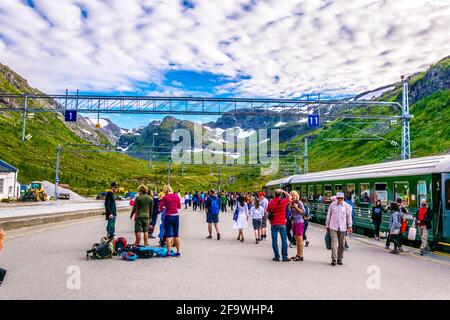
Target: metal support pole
[(295, 164), (24, 118), (218, 182), (406, 141), (168, 176), (305, 170), (58, 155)]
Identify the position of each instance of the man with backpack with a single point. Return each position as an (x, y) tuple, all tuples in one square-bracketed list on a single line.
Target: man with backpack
[(424, 216), (143, 209), (110, 210), (277, 217), (212, 206)]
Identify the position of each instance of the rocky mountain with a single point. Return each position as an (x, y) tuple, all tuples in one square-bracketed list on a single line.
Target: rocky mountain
[(13, 83), (421, 85)]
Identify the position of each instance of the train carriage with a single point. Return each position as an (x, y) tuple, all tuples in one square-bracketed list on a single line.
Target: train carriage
[(412, 180)]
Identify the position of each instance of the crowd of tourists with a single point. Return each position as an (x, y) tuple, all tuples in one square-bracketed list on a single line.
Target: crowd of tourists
[(287, 213)]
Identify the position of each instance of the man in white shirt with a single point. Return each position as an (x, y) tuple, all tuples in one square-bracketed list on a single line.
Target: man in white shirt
[(339, 220)]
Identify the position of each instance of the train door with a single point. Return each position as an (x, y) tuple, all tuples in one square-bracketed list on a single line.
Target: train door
[(446, 205)]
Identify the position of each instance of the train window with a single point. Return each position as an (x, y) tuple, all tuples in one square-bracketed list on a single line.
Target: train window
[(350, 192), (401, 190), (447, 194), (311, 193), (421, 190), (319, 191), (364, 189), (337, 188), (303, 191), (327, 192), (381, 192)]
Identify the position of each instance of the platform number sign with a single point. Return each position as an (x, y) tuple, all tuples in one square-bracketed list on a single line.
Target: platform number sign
[(313, 120), (71, 115)]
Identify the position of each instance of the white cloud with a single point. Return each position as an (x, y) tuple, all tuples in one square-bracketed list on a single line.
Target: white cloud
[(284, 47)]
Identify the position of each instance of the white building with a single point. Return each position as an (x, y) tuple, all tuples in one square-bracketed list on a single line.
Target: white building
[(9, 186)]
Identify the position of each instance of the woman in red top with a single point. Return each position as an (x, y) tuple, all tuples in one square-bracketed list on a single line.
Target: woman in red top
[(171, 202)]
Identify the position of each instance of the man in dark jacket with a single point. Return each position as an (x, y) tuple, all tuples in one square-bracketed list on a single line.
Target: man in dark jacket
[(423, 217), (110, 210)]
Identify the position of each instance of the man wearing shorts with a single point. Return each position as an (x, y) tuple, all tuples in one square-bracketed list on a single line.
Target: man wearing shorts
[(143, 209), (212, 206)]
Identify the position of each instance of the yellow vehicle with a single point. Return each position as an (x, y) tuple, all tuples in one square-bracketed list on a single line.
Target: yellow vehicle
[(35, 192)]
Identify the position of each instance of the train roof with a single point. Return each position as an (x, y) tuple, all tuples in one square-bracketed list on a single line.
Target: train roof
[(410, 167), (278, 181)]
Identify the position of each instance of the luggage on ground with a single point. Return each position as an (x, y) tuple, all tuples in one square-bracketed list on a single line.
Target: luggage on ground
[(119, 244), (328, 240), (102, 250)]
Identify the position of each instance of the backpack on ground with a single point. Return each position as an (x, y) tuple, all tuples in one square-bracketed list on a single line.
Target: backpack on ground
[(119, 244), (214, 205), (102, 250)]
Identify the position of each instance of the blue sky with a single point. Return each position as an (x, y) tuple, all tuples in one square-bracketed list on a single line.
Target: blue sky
[(239, 48)]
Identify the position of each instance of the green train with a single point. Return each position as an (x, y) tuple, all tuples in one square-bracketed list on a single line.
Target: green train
[(412, 180)]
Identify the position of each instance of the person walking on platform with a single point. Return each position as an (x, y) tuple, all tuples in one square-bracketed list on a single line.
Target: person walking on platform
[(404, 212), (143, 209), (277, 218), (306, 217), (263, 202), (111, 210), (395, 223), (223, 202), (297, 212), (171, 203), (257, 212), (377, 213), (212, 205), (240, 223), (186, 200), (338, 222), (424, 216)]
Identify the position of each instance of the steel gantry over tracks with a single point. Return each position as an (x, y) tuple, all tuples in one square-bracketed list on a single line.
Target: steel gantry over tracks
[(98, 104)]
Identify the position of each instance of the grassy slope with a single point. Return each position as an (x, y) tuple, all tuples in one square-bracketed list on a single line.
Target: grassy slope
[(430, 134)]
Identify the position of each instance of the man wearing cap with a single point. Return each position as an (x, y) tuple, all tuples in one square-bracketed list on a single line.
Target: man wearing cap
[(339, 220), (110, 210), (424, 216)]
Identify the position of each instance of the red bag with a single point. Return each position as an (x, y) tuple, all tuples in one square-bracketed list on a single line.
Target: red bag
[(404, 226)]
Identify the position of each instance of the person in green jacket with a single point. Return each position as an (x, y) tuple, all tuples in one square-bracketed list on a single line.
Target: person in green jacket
[(143, 209), (223, 202)]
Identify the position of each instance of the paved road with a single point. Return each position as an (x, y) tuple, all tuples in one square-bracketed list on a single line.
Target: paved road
[(50, 207), (37, 263)]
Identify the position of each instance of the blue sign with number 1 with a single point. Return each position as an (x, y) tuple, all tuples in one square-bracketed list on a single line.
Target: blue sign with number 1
[(313, 120), (71, 115)]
